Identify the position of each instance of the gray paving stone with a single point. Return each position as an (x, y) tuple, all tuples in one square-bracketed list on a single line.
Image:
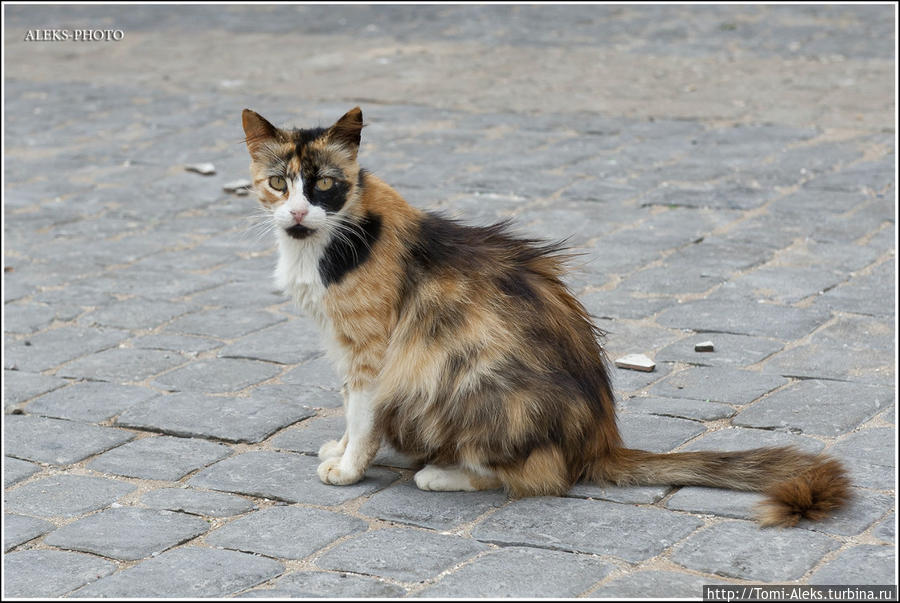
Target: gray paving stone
[(187, 344), (15, 470), (863, 564), (19, 386), (135, 313), (825, 408), (89, 401), (869, 457), (308, 436), (187, 572), (586, 526), (621, 304), (197, 502), (285, 532), (57, 442), (625, 380), (50, 573), (698, 410), (736, 438), (863, 510), (65, 495), (864, 294), (127, 533), (160, 457), (751, 318), (715, 501), (292, 343), (51, 348), (621, 494), (225, 323), (405, 503), (316, 372), (26, 317), (240, 295), (122, 365), (732, 549), (886, 530), (858, 348), (402, 554), (656, 433), (308, 397), (734, 351), (152, 283), (325, 585), (780, 284), (227, 418), (18, 529), (522, 573), (217, 375), (656, 584), (839, 257), (264, 474), (718, 384)]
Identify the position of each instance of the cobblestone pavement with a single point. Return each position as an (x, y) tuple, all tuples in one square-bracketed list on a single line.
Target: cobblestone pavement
[(728, 172)]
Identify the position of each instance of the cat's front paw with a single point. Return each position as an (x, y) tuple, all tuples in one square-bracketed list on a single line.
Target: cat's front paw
[(332, 448), (330, 472)]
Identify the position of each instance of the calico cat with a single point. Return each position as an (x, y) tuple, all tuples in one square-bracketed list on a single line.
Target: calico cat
[(462, 347)]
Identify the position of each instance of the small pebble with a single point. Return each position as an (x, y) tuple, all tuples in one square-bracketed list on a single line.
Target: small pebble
[(636, 362), (207, 169), (704, 346), (239, 187)]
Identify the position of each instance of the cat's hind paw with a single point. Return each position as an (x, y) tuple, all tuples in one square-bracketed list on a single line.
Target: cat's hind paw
[(441, 479), (331, 472), (332, 449)]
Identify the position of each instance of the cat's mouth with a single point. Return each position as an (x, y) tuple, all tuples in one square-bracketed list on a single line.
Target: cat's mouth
[(298, 231)]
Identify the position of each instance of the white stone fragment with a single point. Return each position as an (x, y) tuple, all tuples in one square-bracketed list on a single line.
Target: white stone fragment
[(207, 169), (237, 186), (704, 346), (636, 362)]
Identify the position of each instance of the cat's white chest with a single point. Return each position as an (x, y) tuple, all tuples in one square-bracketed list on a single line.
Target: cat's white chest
[(297, 274)]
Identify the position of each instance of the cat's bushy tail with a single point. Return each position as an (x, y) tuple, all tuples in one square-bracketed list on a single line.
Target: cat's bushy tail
[(797, 484)]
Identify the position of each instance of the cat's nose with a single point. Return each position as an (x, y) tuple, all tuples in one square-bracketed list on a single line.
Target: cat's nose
[(299, 214)]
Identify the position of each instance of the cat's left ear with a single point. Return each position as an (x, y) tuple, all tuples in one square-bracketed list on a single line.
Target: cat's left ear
[(347, 129), (257, 130)]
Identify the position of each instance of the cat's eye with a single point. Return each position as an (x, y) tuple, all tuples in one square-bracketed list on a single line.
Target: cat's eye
[(278, 183), (324, 183)]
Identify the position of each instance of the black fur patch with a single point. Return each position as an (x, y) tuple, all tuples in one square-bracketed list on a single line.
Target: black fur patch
[(347, 252)]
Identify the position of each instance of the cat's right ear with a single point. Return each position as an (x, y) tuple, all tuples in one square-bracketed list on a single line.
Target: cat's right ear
[(257, 130)]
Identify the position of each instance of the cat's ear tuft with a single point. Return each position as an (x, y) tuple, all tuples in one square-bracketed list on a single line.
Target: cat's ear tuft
[(256, 129), (346, 130)]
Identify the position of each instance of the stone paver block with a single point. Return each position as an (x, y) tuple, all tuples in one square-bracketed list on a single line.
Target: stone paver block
[(733, 548), (886, 530), (316, 372), (827, 408), (18, 529), (285, 476), (864, 294), (127, 533), (197, 502), (402, 554), (619, 304), (286, 532), (685, 408), (50, 573), (307, 397), (621, 494), (326, 585), (218, 375), (188, 344), (161, 457), (405, 503), (89, 401), (863, 564), (656, 584), (656, 433), (869, 457), (240, 295), (15, 470), (586, 526), (51, 348), (58, 442), (715, 501), (522, 573), (135, 314), (744, 439), (735, 351), (288, 343), (224, 323), (634, 381), (732, 386), (187, 572), (19, 386), (308, 436), (122, 365), (860, 513), (747, 318), (227, 418), (65, 495), (781, 284)]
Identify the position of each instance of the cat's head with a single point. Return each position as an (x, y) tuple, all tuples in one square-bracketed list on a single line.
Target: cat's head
[(309, 180)]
